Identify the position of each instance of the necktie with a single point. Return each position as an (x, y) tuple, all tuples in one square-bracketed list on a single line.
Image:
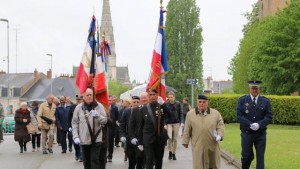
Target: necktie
[(254, 103)]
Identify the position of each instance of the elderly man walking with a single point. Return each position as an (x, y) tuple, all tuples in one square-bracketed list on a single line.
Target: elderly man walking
[(46, 121), (205, 127), (87, 120)]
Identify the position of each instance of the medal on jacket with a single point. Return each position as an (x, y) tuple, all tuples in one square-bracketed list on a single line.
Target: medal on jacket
[(247, 111)]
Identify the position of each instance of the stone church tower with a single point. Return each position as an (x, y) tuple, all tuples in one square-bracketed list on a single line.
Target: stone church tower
[(270, 7), (107, 28)]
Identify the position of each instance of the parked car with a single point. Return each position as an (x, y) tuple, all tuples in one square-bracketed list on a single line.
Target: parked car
[(8, 124)]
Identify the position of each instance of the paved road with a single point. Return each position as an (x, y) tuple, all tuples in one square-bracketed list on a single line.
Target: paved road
[(10, 158)]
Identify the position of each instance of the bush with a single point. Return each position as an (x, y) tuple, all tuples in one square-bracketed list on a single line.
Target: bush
[(286, 109)]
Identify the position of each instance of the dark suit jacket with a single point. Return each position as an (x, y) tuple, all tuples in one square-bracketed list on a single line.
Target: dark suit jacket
[(114, 115), (62, 117), (134, 123), (124, 124), (148, 131), (248, 113)]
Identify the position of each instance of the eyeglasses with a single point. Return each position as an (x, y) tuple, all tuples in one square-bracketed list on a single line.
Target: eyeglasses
[(89, 95)]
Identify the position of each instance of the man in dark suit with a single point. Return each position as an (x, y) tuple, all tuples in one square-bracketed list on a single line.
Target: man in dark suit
[(112, 127), (254, 114), (124, 131), (134, 129), (78, 155), (152, 135), (62, 114)]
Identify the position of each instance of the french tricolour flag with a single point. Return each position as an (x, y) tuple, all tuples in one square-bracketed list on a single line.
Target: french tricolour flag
[(85, 74), (159, 64)]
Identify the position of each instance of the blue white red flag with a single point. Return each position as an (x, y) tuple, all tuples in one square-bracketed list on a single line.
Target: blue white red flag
[(159, 64)]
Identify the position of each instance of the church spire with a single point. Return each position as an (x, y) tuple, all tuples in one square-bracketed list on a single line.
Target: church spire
[(107, 28)]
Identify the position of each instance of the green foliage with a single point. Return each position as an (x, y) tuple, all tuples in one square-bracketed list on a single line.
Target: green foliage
[(270, 51), (282, 143), (183, 40), (286, 109), (116, 88)]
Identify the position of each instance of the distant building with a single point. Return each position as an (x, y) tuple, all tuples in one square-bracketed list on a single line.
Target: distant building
[(19, 84), (216, 87), (270, 7)]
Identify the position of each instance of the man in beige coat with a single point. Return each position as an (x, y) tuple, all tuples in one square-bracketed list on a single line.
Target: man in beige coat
[(45, 115), (205, 127)]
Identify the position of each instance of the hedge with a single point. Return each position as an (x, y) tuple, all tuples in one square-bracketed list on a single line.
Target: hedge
[(286, 109)]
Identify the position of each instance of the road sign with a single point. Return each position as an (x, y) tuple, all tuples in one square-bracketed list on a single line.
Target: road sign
[(191, 81)]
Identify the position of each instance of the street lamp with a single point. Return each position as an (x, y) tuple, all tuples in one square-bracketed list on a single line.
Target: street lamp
[(8, 91), (51, 71)]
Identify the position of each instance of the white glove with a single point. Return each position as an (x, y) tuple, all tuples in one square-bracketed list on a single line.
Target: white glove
[(123, 139), (217, 136), (94, 113), (140, 147), (182, 125), (166, 127), (76, 140), (254, 126), (70, 129), (134, 141), (160, 100)]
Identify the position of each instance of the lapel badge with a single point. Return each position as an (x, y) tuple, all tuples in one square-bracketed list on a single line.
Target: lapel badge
[(247, 104), (247, 111)]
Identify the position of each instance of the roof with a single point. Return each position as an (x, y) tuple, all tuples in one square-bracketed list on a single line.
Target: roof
[(60, 87), (16, 80)]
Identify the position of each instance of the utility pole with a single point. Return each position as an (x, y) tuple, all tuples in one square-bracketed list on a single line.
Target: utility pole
[(17, 31)]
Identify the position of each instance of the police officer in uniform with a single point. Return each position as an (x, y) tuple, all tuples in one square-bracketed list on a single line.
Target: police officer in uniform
[(254, 114)]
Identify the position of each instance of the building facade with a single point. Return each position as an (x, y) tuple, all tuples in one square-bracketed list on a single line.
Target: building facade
[(270, 7)]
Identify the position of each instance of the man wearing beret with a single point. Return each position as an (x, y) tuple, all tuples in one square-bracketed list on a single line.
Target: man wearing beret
[(254, 114), (205, 127), (152, 136)]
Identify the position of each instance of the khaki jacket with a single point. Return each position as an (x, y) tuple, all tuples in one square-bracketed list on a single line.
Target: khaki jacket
[(44, 110), (199, 129), (80, 127)]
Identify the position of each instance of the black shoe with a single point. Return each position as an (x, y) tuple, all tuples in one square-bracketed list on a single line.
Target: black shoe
[(170, 155), (45, 152), (21, 150), (64, 151), (70, 149), (80, 159), (25, 149), (109, 160), (174, 157), (117, 145), (50, 150), (76, 158)]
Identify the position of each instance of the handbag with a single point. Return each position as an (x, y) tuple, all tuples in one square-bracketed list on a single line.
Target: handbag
[(49, 121), (30, 128)]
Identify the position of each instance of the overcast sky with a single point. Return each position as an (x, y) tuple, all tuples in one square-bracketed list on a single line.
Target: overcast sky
[(61, 28)]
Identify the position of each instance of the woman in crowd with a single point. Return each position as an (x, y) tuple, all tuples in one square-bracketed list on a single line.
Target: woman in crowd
[(22, 118), (36, 137)]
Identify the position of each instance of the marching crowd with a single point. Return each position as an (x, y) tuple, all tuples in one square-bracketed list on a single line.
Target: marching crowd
[(144, 125)]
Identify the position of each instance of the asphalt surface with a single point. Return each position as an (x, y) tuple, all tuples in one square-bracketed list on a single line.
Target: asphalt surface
[(11, 158)]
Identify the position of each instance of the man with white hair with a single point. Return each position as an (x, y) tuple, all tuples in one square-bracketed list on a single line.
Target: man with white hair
[(46, 121), (87, 120)]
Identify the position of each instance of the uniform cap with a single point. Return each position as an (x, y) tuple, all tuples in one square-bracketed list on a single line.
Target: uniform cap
[(202, 97), (254, 83)]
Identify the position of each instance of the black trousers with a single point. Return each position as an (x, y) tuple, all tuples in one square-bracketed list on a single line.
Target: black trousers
[(259, 142), (58, 136), (110, 147), (36, 140), (154, 153), (136, 157), (102, 156), (117, 136), (90, 155), (77, 150), (64, 139)]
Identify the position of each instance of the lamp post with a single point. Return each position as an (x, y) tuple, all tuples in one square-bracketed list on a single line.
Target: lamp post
[(51, 71), (8, 91)]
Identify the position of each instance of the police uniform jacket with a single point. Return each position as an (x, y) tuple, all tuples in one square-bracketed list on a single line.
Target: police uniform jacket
[(248, 113)]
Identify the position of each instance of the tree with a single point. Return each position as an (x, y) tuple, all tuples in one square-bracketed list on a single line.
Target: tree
[(183, 40), (116, 89), (276, 60)]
